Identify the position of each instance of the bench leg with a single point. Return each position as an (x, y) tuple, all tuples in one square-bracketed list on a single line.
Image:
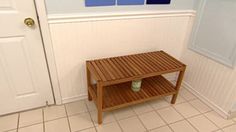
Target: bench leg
[(88, 83), (178, 84), (99, 101)]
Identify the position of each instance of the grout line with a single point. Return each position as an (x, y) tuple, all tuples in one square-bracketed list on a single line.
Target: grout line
[(139, 118), (155, 110), (119, 125), (118, 121), (90, 115), (44, 126), (203, 114), (31, 125), (86, 129), (124, 117), (167, 124), (42, 112), (186, 119), (18, 122), (55, 119), (211, 121), (143, 112), (67, 118), (217, 125), (78, 113)]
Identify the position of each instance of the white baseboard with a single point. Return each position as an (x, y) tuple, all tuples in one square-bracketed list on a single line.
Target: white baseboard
[(211, 104), (74, 98)]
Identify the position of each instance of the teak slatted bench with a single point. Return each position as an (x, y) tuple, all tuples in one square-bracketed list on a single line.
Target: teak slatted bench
[(114, 75)]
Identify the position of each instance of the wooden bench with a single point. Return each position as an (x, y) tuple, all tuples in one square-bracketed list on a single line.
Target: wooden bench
[(114, 75)]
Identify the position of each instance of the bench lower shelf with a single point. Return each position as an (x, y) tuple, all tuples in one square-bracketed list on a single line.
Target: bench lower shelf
[(121, 95)]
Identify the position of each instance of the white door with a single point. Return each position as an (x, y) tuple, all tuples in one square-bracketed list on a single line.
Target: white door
[(24, 78)]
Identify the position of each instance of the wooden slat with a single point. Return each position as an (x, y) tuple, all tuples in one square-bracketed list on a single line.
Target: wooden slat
[(136, 64), (164, 62), (119, 68), (98, 71), (132, 65), (158, 66), (122, 68), (171, 63), (169, 57), (126, 66), (115, 68), (140, 64), (103, 70), (108, 69), (146, 63), (121, 94)]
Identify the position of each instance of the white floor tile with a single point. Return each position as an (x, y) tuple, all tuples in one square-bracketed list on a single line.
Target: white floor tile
[(230, 128), (178, 100), (170, 115), (80, 122), (200, 106), (107, 117), (162, 129), (186, 110), (59, 125), (187, 95), (202, 124), (90, 104), (54, 112), (151, 120), (142, 108), (89, 130), (33, 128), (8, 122), (182, 126), (159, 103), (123, 113), (218, 120), (76, 107), (31, 117), (111, 127), (132, 125)]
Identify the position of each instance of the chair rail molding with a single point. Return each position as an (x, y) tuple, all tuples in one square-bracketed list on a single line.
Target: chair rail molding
[(67, 18)]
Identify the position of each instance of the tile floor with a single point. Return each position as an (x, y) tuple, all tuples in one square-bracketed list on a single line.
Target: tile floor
[(189, 114)]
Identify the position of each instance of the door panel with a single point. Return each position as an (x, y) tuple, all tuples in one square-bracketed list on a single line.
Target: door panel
[(24, 78)]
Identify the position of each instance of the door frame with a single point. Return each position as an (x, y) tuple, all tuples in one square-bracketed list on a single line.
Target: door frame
[(40, 7)]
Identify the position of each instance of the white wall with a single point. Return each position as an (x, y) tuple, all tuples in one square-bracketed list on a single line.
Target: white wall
[(78, 40), (211, 81), (77, 6), (214, 34)]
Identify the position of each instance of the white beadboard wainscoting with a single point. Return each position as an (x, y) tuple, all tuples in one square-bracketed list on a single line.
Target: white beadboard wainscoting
[(212, 82), (79, 38)]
